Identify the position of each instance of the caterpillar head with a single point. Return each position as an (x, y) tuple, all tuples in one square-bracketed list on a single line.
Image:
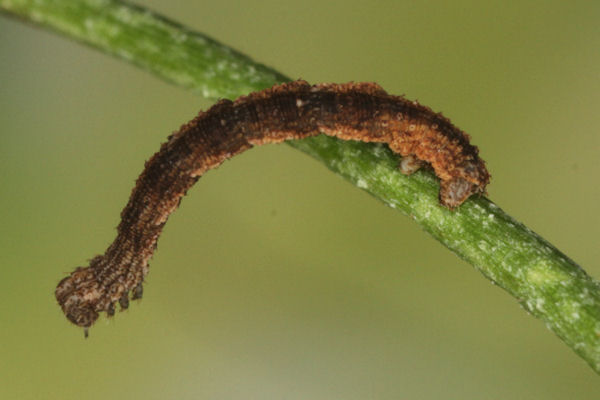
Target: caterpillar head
[(78, 295), (87, 291)]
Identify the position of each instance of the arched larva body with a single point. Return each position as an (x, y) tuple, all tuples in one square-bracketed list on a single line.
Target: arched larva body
[(353, 111)]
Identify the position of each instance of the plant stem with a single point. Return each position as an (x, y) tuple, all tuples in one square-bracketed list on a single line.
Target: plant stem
[(545, 282)]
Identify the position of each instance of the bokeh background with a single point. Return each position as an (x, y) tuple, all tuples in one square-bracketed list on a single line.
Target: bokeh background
[(276, 278)]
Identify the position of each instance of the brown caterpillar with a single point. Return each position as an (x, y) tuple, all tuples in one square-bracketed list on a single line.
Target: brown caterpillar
[(352, 111)]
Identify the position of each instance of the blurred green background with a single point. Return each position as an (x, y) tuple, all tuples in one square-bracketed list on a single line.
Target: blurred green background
[(276, 278)]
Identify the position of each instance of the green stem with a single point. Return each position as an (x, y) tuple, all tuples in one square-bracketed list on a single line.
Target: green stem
[(547, 283)]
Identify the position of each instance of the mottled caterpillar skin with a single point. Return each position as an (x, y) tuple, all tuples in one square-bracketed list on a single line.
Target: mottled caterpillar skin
[(352, 111)]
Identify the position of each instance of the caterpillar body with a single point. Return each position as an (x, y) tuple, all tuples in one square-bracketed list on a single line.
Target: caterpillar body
[(295, 110)]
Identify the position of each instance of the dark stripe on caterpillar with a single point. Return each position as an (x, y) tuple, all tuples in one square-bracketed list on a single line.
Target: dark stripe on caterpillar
[(352, 111)]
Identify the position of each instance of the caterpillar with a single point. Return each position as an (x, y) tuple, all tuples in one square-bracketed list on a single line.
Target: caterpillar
[(295, 110)]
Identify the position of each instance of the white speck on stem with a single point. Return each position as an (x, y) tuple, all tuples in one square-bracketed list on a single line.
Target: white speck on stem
[(89, 24), (179, 37), (124, 14), (539, 304), (222, 65)]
